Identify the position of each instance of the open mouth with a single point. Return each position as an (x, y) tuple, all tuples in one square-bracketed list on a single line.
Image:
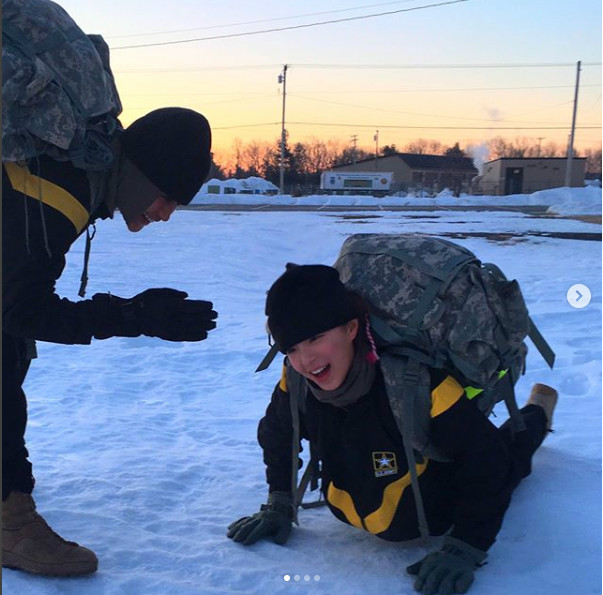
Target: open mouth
[(321, 372), (147, 217)]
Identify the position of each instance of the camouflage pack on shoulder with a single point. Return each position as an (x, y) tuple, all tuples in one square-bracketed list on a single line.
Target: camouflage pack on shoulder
[(58, 93)]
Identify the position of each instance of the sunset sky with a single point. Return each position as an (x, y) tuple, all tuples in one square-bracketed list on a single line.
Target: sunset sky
[(461, 71)]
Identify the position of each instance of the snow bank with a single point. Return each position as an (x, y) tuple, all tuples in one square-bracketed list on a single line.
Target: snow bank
[(561, 201)]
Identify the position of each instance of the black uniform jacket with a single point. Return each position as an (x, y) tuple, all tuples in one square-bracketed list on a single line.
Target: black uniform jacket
[(365, 478), (45, 207)]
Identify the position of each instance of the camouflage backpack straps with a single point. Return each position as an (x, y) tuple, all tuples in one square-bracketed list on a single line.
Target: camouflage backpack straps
[(433, 305), (296, 387), (58, 93)]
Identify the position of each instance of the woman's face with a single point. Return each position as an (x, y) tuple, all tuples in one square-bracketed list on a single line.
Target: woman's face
[(326, 358)]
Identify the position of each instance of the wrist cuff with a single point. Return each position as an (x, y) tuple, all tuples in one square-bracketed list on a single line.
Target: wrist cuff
[(464, 550), (280, 502)]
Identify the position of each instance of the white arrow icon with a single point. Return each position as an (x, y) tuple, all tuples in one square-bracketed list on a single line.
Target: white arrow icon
[(578, 296)]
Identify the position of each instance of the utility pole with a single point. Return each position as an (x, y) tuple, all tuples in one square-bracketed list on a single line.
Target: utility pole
[(354, 142), (570, 147), (282, 78), (376, 139)]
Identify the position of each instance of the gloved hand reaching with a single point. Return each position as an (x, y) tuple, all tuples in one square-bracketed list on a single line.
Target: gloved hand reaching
[(163, 313), (448, 571), (273, 520)]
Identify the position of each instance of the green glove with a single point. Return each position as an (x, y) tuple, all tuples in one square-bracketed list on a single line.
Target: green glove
[(448, 571), (273, 520)]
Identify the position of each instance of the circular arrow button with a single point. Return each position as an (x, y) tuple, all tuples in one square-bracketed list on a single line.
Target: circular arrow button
[(578, 296)]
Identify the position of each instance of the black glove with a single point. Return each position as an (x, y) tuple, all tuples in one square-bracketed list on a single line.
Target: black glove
[(448, 571), (273, 520), (163, 313)]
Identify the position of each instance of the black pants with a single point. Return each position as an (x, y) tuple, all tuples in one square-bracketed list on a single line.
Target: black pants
[(16, 469), (523, 445)]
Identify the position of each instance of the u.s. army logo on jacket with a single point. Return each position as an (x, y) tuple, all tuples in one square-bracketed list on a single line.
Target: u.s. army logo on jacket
[(384, 463)]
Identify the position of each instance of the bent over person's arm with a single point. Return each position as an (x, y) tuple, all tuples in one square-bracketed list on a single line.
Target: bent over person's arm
[(275, 435), (42, 216)]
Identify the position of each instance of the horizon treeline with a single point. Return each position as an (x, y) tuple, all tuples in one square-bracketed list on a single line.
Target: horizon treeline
[(305, 161)]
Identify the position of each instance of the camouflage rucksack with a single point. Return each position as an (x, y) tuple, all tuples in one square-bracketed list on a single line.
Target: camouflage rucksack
[(58, 93), (432, 304)]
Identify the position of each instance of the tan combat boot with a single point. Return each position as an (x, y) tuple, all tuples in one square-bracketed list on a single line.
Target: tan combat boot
[(29, 544), (546, 397)]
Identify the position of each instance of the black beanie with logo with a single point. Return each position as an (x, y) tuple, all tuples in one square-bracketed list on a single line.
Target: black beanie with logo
[(171, 147), (305, 301)]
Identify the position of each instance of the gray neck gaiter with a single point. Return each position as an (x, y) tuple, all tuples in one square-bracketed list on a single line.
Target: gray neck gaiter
[(356, 384)]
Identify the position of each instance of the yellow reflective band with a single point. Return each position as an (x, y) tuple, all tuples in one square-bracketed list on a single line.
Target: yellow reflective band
[(382, 518), (379, 520), (472, 392), (445, 395), (283, 382), (342, 500), (22, 180)]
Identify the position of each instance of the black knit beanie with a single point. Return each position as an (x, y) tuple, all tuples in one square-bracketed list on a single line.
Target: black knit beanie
[(307, 300), (171, 146)]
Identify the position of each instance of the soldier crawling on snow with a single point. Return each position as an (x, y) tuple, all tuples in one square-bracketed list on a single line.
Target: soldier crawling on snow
[(323, 329)]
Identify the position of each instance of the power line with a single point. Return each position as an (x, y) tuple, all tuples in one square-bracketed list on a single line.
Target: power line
[(368, 67), (197, 68), (304, 26), (286, 18), (171, 93), (403, 127), (443, 90), (441, 127), (234, 126), (442, 66), (206, 103), (378, 109)]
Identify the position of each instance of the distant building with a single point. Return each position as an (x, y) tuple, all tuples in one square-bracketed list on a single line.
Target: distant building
[(356, 182), (527, 175), (251, 185), (420, 173)]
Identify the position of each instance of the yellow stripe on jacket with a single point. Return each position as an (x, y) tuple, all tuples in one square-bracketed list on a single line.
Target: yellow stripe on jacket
[(283, 382), (379, 520), (444, 396), (22, 180)]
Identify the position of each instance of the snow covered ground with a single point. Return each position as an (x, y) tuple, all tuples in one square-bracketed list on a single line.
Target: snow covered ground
[(145, 450)]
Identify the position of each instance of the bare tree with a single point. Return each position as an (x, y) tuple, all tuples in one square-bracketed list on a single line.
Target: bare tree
[(418, 147), (435, 147), (320, 155), (253, 157), (593, 160), (523, 147), (552, 149), (309, 159), (423, 146)]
